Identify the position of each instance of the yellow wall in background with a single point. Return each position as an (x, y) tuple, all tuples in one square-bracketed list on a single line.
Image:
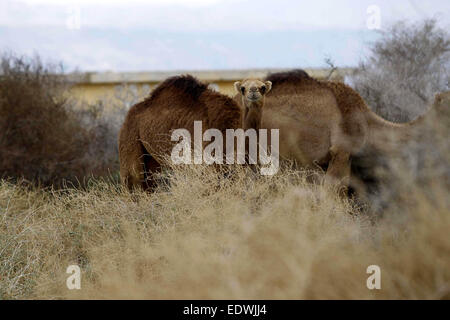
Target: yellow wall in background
[(130, 88), (92, 93)]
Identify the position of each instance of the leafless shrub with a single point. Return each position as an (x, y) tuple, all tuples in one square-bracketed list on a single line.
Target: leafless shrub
[(330, 63), (407, 67), (43, 137)]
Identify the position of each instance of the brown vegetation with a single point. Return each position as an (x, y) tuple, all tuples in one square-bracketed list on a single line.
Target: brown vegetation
[(43, 137), (276, 237)]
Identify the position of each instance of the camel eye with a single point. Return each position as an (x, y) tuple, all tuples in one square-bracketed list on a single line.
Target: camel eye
[(262, 89), (243, 90)]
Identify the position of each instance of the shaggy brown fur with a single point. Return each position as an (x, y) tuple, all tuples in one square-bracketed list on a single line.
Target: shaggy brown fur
[(144, 139), (288, 77)]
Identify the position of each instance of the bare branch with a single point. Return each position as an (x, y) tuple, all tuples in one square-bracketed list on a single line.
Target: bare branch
[(333, 68)]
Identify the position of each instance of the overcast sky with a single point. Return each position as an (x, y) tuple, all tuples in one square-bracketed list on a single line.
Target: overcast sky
[(138, 35)]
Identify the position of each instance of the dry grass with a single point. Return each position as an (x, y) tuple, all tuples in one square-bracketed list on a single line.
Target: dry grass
[(245, 237)]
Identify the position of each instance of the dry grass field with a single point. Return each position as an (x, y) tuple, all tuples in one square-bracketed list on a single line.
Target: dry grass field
[(245, 237)]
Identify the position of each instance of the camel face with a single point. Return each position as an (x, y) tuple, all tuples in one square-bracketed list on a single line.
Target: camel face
[(253, 90)]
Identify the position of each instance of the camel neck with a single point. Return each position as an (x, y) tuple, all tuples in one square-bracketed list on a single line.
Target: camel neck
[(252, 115)]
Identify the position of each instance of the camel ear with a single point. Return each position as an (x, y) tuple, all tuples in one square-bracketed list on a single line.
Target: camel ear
[(237, 86), (268, 85)]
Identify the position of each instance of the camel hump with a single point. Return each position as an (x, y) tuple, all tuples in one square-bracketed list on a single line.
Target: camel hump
[(183, 85), (293, 76)]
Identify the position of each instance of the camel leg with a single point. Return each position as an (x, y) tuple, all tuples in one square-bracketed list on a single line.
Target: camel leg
[(131, 154), (131, 166), (151, 168), (338, 172)]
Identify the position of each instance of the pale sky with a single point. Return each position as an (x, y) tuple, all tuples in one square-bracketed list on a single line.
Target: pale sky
[(138, 35)]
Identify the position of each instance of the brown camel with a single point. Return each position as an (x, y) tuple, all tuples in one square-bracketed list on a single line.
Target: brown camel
[(309, 122), (325, 123), (145, 136)]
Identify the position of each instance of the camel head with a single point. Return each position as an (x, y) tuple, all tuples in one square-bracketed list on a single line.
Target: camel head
[(252, 90)]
